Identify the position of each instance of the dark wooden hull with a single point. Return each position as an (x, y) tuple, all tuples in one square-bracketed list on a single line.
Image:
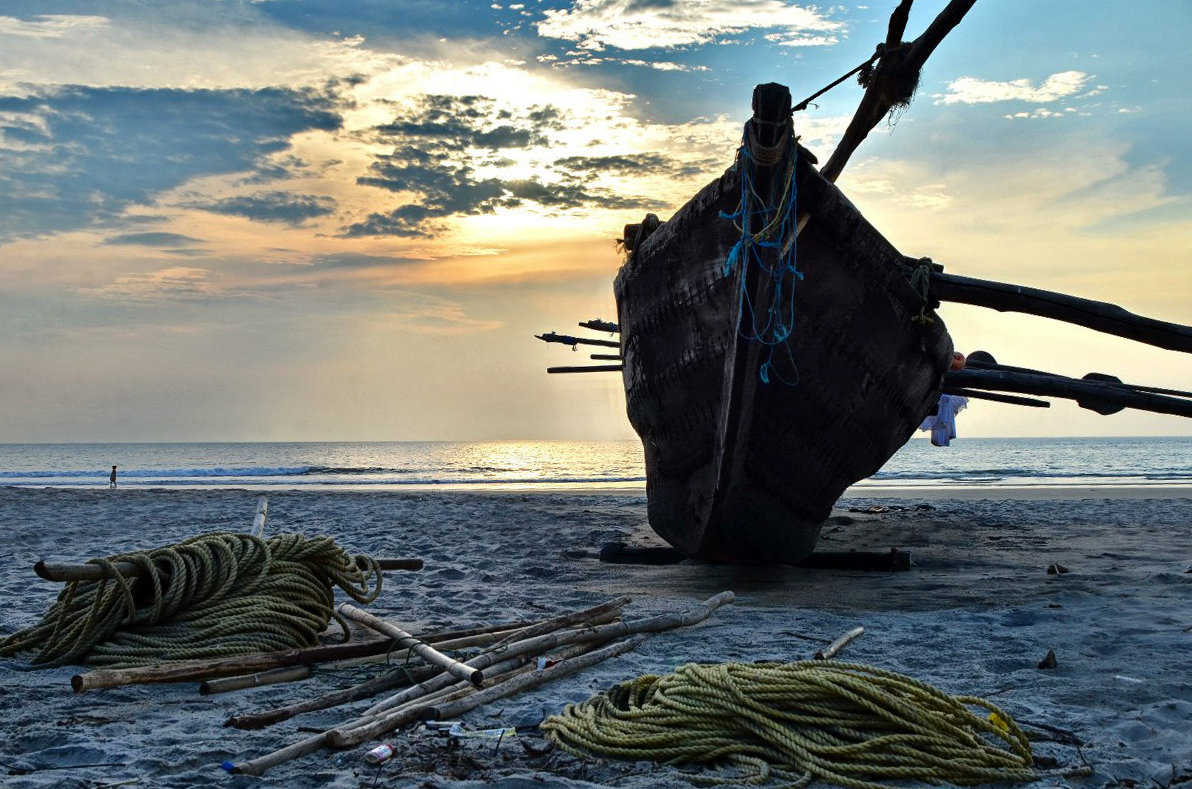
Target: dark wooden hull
[(739, 470)]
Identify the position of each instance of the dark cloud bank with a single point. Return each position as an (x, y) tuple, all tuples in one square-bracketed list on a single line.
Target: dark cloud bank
[(437, 145), (75, 156)]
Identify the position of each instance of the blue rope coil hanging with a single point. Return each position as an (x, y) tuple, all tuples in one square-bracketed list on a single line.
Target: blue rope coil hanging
[(765, 230)]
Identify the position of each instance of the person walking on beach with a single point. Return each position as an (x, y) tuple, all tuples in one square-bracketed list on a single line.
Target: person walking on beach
[(112, 479)]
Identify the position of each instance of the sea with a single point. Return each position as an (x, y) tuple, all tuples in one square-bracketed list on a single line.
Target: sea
[(555, 465)]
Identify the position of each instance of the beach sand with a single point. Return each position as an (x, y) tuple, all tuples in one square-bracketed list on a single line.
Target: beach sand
[(975, 615)]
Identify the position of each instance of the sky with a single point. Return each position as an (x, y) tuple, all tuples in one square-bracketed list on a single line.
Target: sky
[(303, 220)]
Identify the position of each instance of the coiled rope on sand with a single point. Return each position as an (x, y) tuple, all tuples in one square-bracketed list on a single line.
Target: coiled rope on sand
[(843, 723), (211, 596)]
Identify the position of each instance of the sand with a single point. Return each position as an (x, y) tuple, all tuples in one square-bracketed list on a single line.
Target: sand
[(975, 615)]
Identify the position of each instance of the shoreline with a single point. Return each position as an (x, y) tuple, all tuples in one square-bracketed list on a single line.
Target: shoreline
[(873, 491)]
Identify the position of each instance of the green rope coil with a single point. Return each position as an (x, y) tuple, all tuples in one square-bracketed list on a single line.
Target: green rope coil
[(843, 723), (212, 596)]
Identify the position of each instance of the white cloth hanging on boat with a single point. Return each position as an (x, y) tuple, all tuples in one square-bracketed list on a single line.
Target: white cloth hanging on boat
[(942, 424)]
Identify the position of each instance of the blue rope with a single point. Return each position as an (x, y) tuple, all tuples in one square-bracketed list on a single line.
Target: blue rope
[(763, 227)]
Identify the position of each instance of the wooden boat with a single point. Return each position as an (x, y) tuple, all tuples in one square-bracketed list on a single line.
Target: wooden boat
[(776, 348)]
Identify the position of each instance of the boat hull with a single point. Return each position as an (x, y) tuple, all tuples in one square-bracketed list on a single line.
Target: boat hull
[(745, 471)]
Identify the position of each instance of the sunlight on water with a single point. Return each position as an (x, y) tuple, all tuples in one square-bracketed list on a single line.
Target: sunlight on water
[(492, 465)]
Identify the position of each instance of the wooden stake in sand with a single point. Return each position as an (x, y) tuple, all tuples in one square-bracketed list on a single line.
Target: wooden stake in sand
[(407, 641), (258, 522)]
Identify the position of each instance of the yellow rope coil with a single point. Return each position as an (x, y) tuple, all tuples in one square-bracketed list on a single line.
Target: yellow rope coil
[(211, 596), (843, 723)]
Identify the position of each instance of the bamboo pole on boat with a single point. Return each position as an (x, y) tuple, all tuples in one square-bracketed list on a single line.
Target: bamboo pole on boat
[(598, 325), (996, 398), (418, 647), (1097, 315), (567, 339), (594, 368), (1091, 394)]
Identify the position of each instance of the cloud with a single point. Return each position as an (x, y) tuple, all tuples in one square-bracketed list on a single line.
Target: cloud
[(442, 144), (151, 239), (74, 156), (50, 25), (650, 24), (620, 164), (970, 90), (178, 283), (281, 207)]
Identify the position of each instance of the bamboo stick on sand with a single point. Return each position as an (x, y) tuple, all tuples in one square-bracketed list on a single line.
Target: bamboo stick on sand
[(187, 670), (271, 677), (406, 710), (544, 643), (830, 651), (596, 615), (419, 648), (564, 668), (319, 741), (583, 656)]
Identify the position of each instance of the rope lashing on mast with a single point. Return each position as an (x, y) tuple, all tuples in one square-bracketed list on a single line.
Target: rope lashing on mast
[(920, 279), (764, 227), (214, 595), (843, 723)]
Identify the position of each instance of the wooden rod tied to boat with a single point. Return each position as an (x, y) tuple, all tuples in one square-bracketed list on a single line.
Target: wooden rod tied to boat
[(405, 640), (567, 339), (1097, 315), (594, 368), (1097, 395)]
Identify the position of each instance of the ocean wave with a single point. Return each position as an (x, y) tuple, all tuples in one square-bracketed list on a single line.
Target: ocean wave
[(1000, 474)]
